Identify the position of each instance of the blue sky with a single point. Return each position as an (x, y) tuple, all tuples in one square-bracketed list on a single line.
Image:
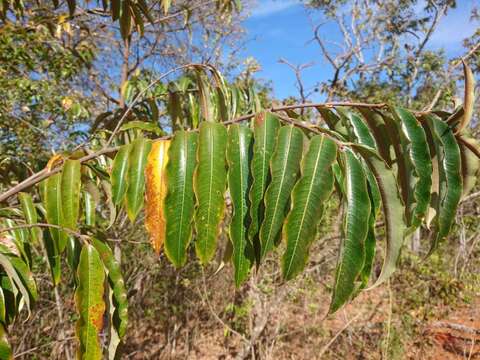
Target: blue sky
[(282, 28)]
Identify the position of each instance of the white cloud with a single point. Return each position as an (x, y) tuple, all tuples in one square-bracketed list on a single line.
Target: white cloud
[(269, 7)]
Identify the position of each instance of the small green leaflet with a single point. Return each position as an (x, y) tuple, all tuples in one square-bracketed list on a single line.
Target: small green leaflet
[(308, 196)]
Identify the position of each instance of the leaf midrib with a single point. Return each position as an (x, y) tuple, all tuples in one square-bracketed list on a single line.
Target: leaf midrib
[(306, 204), (284, 169)]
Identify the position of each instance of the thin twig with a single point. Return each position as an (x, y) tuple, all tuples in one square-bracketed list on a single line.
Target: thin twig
[(332, 340)]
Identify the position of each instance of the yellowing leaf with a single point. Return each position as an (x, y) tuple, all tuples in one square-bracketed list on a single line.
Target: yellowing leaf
[(156, 189)]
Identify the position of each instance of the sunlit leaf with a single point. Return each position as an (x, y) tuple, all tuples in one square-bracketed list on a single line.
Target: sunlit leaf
[(209, 185), (180, 199), (156, 190)]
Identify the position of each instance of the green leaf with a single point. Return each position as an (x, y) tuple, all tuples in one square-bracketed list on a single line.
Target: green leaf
[(265, 129), (450, 170), (378, 129), (119, 174), (70, 193), (352, 251), (90, 205), (19, 238), (53, 257), (18, 281), (308, 197), (5, 348), (209, 185), (30, 214), (284, 166), (25, 275), (370, 241), (420, 158), (393, 209), (363, 132), (238, 156), (52, 199), (90, 303), (180, 198), (360, 129), (136, 176), (115, 279)]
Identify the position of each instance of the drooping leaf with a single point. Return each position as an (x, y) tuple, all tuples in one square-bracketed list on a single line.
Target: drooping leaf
[(119, 174), (70, 193), (156, 189), (238, 156), (363, 132), (451, 186), (420, 158), (53, 257), (136, 176), (352, 251), (18, 281), (370, 241), (25, 275), (19, 241), (71, 183), (115, 279), (393, 210), (180, 199), (90, 303), (308, 197), (265, 129), (52, 199), (209, 185), (30, 214), (284, 167), (90, 204)]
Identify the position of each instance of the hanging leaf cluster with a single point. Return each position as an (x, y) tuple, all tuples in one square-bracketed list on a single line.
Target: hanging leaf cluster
[(272, 173)]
